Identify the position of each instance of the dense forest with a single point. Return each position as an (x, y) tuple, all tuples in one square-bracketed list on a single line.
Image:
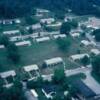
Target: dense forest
[(19, 8)]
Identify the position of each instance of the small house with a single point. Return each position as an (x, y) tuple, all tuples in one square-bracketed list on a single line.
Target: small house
[(8, 78), (75, 35), (53, 62), (32, 71), (23, 43), (85, 42), (78, 56), (49, 91), (11, 32), (59, 36), (42, 39), (95, 51), (2, 46), (47, 20)]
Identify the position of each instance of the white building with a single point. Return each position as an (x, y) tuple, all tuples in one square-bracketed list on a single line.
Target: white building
[(7, 22), (23, 43), (34, 93), (32, 71), (34, 26), (57, 24), (59, 36), (49, 33), (53, 61), (75, 35), (47, 20), (2, 46), (42, 10), (30, 68), (42, 39), (17, 21), (34, 35), (95, 51), (85, 42), (15, 38), (11, 32), (78, 56), (5, 75)]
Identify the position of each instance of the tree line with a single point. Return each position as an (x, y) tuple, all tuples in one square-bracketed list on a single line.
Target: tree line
[(19, 8)]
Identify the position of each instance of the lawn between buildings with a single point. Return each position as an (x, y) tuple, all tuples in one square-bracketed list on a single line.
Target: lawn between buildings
[(38, 52)]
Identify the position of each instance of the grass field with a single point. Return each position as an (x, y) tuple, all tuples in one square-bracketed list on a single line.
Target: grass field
[(38, 52)]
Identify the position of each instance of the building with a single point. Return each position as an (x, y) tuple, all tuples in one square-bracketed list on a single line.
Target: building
[(78, 56), (42, 39), (15, 38), (57, 24), (32, 71), (17, 21), (85, 42), (7, 22), (49, 91), (49, 33), (47, 20), (75, 35), (59, 36), (83, 91), (2, 46), (42, 10), (95, 51), (11, 32), (23, 43), (8, 78), (53, 61)]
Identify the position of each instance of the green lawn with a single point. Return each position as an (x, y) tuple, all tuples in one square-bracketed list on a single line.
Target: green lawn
[(38, 52)]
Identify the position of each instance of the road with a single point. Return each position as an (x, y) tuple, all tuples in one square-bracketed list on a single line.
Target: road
[(92, 83), (89, 81), (68, 73)]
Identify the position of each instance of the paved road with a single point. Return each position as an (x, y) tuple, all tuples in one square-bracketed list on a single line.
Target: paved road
[(90, 82), (68, 73)]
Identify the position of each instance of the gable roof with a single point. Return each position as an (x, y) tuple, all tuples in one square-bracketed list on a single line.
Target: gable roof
[(83, 89)]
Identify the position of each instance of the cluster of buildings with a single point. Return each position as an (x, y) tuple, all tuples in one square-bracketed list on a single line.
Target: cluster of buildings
[(31, 72)]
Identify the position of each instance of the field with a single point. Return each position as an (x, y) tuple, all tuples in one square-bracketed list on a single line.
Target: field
[(38, 52)]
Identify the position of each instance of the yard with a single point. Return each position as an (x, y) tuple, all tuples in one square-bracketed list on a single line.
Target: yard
[(39, 52)]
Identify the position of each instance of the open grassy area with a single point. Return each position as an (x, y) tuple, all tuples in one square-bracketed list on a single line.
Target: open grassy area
[(38, 52)]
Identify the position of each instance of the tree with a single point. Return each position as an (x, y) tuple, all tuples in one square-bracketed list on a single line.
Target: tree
[(64, 44), (59, 76), (97, 34), (4, 40), (23, 31), (65, 28), (85, 60), (96, 65), (13, 53), (30, 20), (30, 30), (74, 23)]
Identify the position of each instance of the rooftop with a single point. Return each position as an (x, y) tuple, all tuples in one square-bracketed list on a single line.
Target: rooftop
[(84, 89), (30, 68)]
